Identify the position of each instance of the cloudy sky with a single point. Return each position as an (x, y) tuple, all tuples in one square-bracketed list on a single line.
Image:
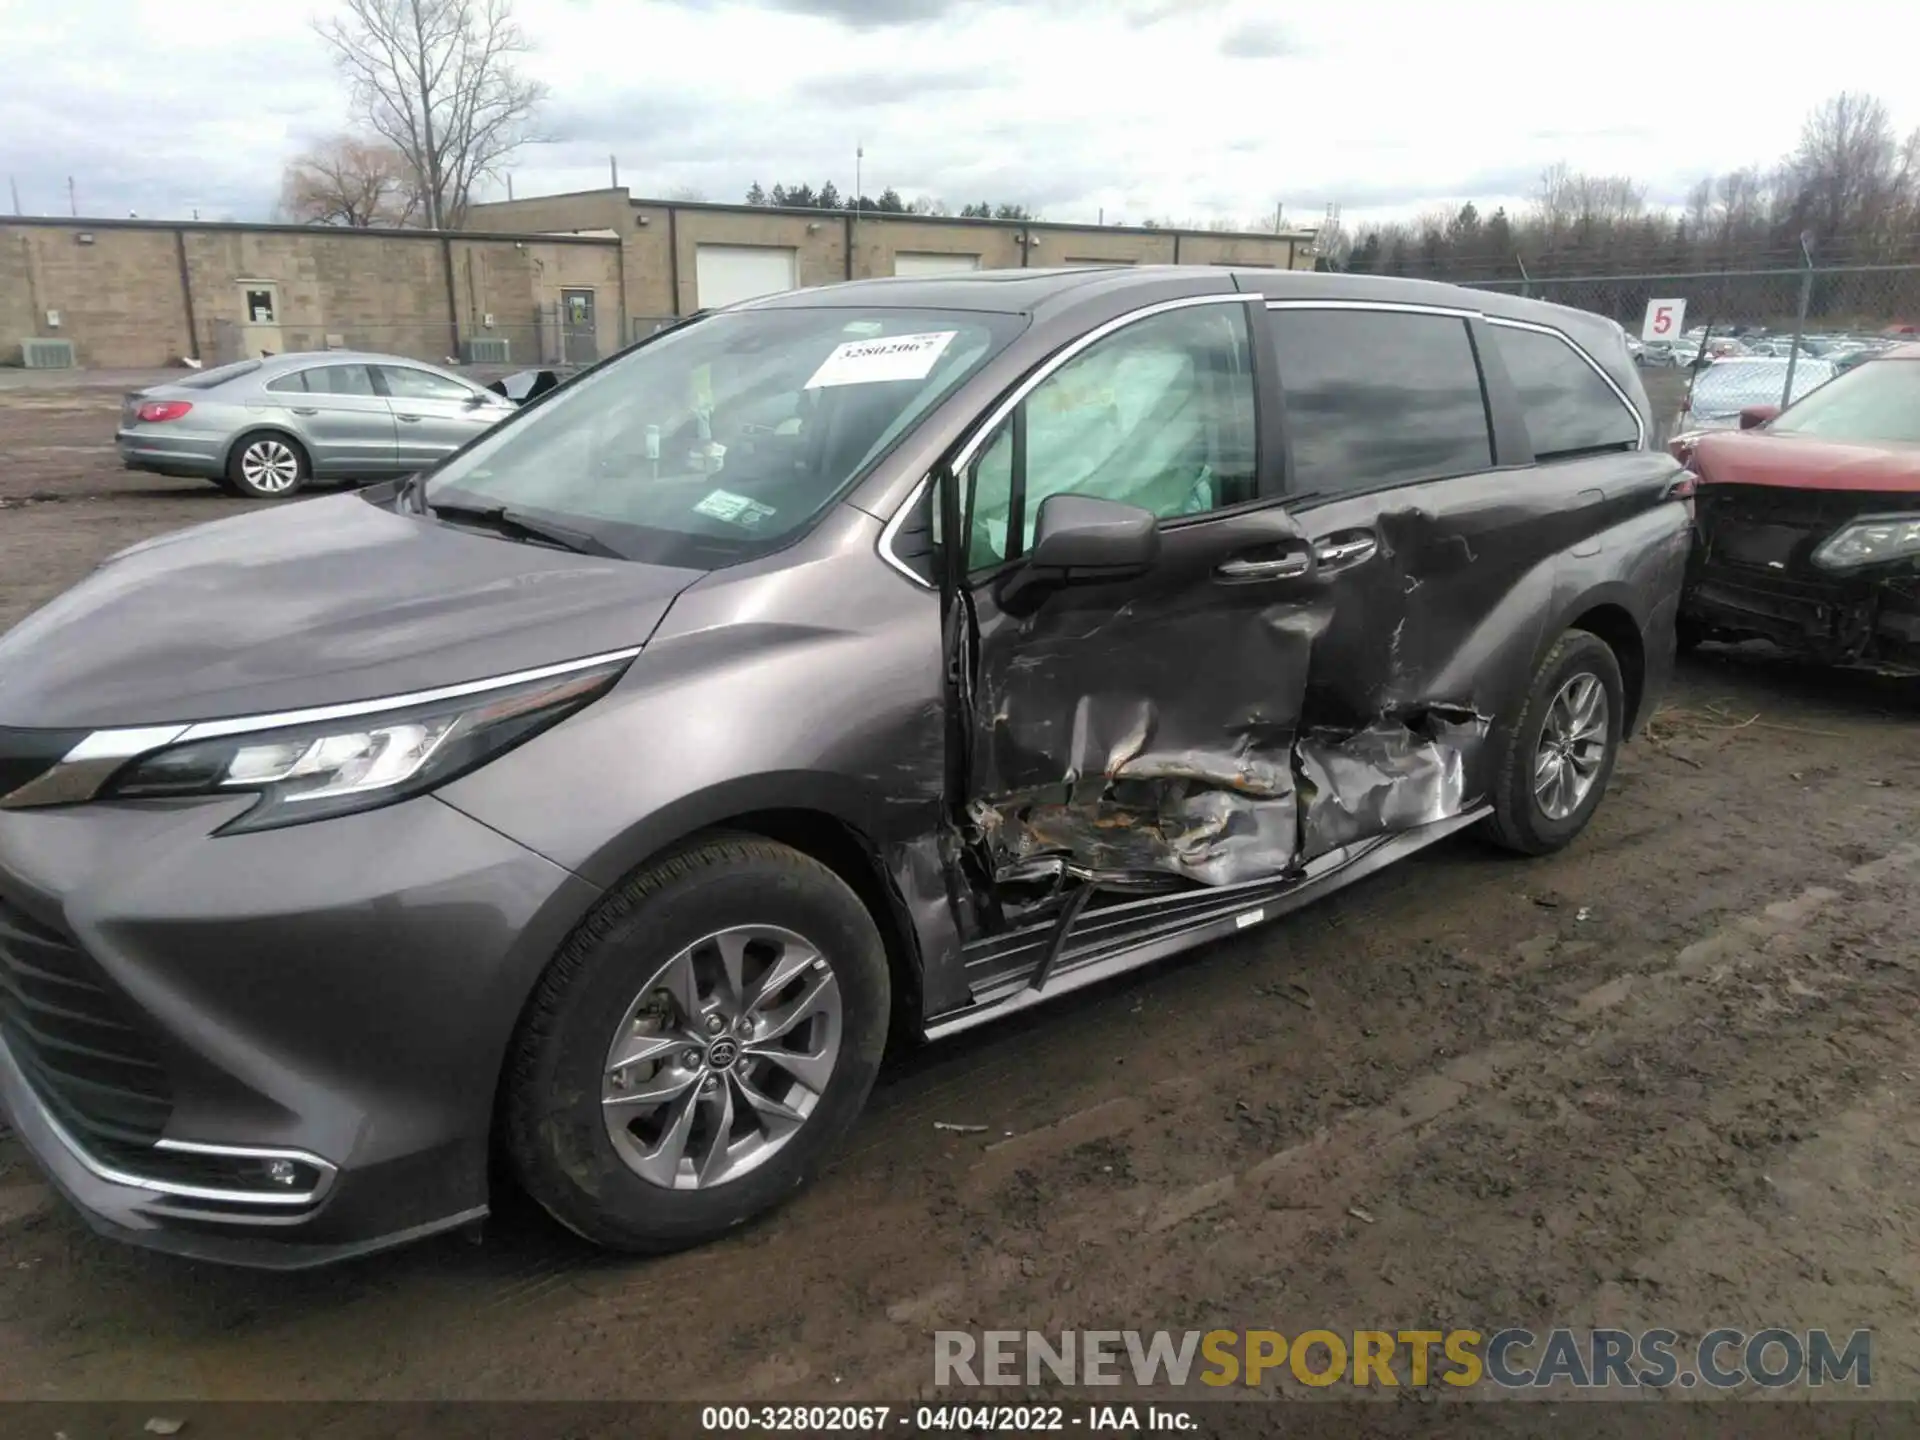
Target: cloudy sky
[(1190, 109)]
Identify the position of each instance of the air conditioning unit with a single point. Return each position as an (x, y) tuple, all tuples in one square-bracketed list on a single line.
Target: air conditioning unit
[(46, 354), (488, 350)]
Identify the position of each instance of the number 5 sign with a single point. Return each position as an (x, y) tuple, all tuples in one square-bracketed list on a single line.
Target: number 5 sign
[(1664, 319)]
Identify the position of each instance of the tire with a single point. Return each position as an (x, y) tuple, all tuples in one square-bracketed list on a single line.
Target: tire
[(267, 465), (1523, 820), (609, 1172)]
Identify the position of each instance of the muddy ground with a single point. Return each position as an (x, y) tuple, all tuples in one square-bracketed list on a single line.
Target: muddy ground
[(1668, 1077)]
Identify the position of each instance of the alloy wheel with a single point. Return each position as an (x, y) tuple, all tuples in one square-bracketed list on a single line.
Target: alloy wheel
[(270, 466), (721, 1057), (1573, 746)]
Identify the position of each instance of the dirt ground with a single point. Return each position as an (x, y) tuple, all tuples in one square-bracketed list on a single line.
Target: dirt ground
[(1668, 1077)]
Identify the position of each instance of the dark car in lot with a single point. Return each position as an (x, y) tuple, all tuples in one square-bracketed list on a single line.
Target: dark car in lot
[(1809, 521), (867, 662)]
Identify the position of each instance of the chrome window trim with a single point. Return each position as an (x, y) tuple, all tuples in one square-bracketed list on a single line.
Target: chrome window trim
[(114, 1175), (1414, 307), (1040, 376), (892, 530), (83, 769), (1459, 313), (1639, 422)]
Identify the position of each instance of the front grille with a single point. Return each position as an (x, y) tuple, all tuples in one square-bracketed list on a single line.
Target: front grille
[(78, 1040)]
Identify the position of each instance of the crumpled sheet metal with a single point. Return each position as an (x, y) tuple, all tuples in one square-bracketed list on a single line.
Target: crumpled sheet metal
[(1236, 814), (1129, 806), (1389, 777)]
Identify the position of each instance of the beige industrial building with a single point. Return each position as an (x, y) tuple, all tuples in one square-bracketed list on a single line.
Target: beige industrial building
[(557, 278)]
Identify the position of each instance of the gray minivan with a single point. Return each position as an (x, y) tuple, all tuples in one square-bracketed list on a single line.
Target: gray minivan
[(855, 663)]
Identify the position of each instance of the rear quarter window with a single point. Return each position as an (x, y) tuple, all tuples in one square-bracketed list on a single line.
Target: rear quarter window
[(1570, 408)]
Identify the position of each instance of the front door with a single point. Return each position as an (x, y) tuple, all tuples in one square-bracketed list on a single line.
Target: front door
[(1142, 729), (434, 415), (579, 336), (260, 319)]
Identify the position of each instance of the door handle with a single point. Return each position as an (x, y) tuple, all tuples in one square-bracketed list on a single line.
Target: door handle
[(305, 410), (1280, 568), (1350, 551), (408, 418)]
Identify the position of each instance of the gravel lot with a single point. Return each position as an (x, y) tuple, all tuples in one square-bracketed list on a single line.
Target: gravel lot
[(1669, 1077)]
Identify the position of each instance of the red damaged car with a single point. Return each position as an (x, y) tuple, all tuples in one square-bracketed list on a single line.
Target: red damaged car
[(1807, 521)]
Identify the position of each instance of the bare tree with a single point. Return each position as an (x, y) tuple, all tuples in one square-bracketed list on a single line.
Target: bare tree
[(1847, 169), (350, 181), (436, 79)]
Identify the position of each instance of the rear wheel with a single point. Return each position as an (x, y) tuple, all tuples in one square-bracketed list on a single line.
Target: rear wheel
[(699, 1047), (267, 466), (1554, 761)]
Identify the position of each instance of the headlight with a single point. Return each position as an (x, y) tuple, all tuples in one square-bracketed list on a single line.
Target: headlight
[(1868, 541), (331, 767)]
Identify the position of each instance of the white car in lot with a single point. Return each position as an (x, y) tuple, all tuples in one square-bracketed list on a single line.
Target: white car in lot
[(1726, 387)]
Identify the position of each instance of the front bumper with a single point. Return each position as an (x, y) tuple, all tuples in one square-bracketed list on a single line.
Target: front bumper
[(1839, 622), (331, 1001), (202, 456)]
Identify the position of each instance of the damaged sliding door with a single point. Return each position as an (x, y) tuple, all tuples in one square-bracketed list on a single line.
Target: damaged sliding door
[(1140, 731)]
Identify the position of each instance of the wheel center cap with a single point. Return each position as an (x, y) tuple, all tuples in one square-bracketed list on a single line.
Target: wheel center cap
[(722, 1053)]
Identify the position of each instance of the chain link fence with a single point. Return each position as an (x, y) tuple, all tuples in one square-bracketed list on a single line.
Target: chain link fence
[(1824, 319)]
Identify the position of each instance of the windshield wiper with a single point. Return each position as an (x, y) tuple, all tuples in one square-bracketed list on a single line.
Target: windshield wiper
[(517, 525)]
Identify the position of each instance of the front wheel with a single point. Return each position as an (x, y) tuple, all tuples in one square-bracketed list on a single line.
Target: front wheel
[(699, 1047), (1554, 761)]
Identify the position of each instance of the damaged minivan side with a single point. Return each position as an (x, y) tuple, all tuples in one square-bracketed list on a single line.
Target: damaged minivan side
[(852, 664)]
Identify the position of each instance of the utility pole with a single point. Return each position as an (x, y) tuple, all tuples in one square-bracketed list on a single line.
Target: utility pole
[(509, 185), (73, 202), (14, 185), (859, 159), (613, 170)]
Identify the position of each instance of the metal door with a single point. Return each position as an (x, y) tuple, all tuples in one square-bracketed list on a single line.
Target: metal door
[(260, 319), (579, 335)]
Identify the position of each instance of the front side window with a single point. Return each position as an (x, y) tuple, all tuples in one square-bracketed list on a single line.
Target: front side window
[(1379, 397), (1159, 414), (718, 440), (1570, 409), (1877, 402)]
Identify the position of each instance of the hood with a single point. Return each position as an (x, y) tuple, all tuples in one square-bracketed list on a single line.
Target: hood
[(1761, 457), (324, 602)]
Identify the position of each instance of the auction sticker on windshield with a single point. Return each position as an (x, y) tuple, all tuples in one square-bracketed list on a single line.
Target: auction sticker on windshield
[(740, 510), (867, 362)]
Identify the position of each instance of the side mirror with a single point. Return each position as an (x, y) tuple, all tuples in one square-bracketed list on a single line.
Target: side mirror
[(1752, 417), (1081, 540), (476, 398)]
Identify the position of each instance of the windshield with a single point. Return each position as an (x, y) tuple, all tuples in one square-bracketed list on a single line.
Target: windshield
[(719, 441), (1873, 402), (1730, 385)]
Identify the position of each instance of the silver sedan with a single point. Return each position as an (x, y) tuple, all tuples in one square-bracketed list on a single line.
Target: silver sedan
[(265, 428)]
